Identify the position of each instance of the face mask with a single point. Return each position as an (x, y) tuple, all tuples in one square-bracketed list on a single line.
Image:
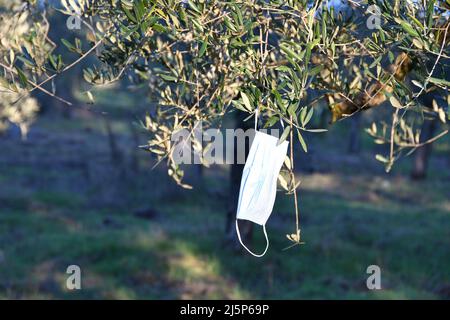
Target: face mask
[(259, 182)]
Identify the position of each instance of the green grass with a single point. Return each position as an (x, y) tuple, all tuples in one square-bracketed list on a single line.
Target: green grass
[(180, 254)]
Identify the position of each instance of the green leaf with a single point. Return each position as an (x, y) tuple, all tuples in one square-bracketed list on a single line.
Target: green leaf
[(417, 84), (129, 15), (440, 81), (203, 49), (53, 62), (283, 182), (90, 97), (316, 130), (308, 53), (271, 121), (308, 117), (246, 102), (194, 6), (229, 25), (279, 100), (416, 22), (285, 134), (418, 43), (238, 105), (159, 28), (69, 46), (139, 9), (314, 71), (303, 114), (376, 62), (28, 62), (430, 12), (292, 109), (391, 57), (381, 158), (290, 52), (302, 141), (407, 27), (169, 78), (127, 3), (283, 68), (12, 56), (22, 77), (395, 103)]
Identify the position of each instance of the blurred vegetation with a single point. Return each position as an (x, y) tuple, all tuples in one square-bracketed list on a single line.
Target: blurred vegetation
[(14, 27)]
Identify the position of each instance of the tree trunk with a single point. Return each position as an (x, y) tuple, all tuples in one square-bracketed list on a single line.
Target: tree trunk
[(245, 227), (354, 145), (116, 155), (422, 155), (134, 162)]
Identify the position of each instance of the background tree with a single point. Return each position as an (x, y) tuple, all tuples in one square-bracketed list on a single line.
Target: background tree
[(15, 42)]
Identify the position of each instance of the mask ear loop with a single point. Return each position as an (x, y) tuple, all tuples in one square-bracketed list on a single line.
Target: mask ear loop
[(256, 118), (253, 254)]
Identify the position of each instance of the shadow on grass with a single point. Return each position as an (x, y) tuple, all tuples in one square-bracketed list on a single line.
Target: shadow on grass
[(179, 253)]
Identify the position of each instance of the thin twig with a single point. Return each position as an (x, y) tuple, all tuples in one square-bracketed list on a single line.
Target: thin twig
[(35, 86), (294, 184), (73, 64), (391, 146)]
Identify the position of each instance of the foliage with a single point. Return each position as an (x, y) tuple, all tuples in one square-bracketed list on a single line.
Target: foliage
[(202, 59), (19, 38)]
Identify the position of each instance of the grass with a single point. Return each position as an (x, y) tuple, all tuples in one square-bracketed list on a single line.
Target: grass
[(180, 255)]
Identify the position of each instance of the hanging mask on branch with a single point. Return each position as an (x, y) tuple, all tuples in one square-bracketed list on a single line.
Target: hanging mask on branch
[(259, 182)]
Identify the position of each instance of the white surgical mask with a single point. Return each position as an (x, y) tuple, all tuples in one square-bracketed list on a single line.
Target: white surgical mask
[(259, 182)]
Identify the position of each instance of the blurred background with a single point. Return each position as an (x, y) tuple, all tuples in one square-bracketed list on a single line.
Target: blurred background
[(79, 191)]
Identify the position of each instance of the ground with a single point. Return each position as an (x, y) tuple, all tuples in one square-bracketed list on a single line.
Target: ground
[(64, 201)]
